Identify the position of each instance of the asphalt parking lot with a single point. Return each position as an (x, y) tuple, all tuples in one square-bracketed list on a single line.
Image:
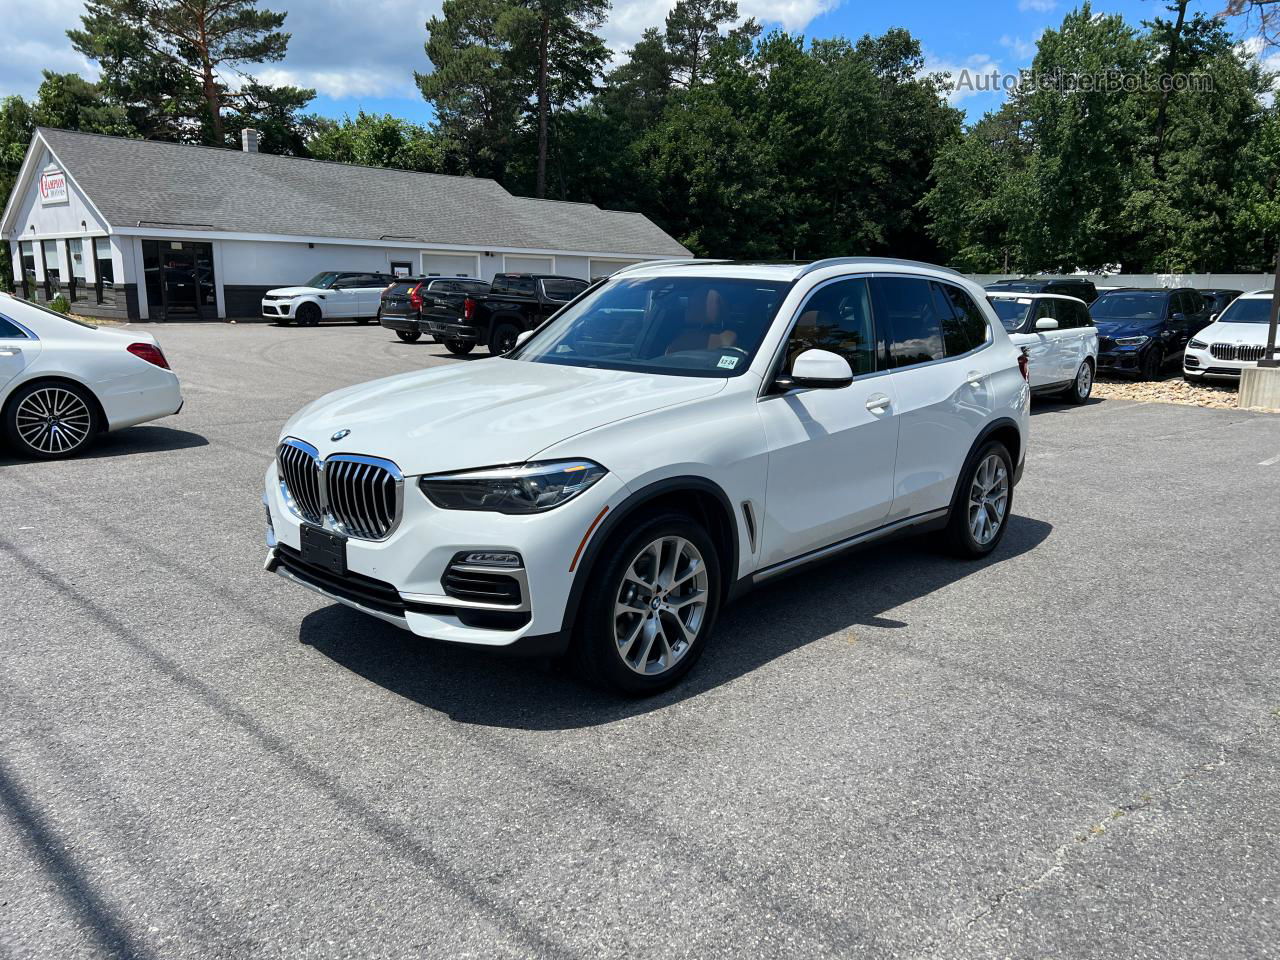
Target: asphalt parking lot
[(1069, 750)]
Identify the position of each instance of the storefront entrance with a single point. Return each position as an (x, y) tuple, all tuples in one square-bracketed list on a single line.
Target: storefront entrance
[(180, 283)]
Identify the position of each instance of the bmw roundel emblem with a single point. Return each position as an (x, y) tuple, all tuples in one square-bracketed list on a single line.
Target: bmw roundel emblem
[(339, 435)]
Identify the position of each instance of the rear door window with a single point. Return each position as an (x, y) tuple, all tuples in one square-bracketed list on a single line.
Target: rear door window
[(910, 314), (964, 326)]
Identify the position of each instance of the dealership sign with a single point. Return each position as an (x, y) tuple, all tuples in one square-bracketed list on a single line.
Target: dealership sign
[(53, 187)]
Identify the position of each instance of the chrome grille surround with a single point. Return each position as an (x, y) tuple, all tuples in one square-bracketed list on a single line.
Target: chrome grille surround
[(361, 497), (1243, 352)]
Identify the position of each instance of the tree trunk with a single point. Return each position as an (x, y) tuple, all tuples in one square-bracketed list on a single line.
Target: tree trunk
[(544, 41), (1162, 115)]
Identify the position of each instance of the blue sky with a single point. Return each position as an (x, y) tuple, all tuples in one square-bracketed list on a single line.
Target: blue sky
[(361, 54)]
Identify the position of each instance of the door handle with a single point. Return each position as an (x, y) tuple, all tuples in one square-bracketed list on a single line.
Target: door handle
[(10, 352), (975, 379), (879, 403)]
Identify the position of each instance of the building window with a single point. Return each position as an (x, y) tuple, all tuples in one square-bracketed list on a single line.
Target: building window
[(52, 275), (105, 285), (28, 252), (75, 257)]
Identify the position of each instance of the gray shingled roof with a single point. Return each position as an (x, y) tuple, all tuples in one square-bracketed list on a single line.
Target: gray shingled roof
[(205, 188)]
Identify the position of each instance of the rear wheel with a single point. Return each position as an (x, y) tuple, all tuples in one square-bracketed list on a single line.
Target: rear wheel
[(308, 315), (980, 513), (409, 336), (48, 421), (503, 339), (1082, 386), (651, 604), (459, 348)]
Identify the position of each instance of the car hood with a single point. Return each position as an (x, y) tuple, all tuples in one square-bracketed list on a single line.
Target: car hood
[(294, 291), (1124, 327), (1252, 333), (483, 412)]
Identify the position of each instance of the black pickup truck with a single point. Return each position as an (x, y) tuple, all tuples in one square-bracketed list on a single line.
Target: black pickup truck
[(405, 300), (516, 302)]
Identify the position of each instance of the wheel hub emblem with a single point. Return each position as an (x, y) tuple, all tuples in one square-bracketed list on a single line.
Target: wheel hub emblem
[(655, 603), (340, 435)]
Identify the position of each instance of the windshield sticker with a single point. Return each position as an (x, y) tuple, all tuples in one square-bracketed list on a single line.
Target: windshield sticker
[(727, 363)]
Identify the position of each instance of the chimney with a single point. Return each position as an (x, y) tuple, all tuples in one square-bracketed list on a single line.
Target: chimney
[(249, 140)]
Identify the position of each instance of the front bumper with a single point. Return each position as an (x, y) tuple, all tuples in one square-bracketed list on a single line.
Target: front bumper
[(401, 580), (277, 308), (450, 331), (1121, 361), (1203, 365)]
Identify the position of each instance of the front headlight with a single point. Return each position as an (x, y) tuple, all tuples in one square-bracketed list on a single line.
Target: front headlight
[(1198, 345), (528, 488), (1131, 341)]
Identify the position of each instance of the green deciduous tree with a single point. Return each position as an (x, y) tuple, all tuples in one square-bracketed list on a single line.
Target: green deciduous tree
[(378, 141)]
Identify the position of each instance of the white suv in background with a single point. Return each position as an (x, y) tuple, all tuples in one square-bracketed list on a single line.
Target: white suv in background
[(331, 295), (1059, 337), (676, 435), (1236, 339)]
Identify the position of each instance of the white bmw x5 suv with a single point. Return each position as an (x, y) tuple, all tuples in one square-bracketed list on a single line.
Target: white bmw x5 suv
[(673, 436)]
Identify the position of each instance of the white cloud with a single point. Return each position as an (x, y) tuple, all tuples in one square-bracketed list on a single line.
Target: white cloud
[(1022, 49), (970, 77), (345, 49), (1039, 6)]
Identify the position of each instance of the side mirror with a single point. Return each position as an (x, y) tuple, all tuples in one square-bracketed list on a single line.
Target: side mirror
[(1213, 317), (817, 370), (1046, 323), (521, 338), (1177, 316)]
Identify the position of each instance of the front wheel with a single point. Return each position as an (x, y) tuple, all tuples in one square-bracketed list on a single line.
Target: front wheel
[(409, 336), (980, 513), (1082, 386), (1150, 366), (49, 421), (459, 348), (503, 339), (652, 603), (308, 315)]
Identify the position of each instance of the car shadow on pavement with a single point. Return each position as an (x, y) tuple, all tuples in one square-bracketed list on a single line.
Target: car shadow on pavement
[(493, 690), (127, 442)]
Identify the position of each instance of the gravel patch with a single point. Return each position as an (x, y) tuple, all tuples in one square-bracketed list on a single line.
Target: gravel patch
[(1169, 390)]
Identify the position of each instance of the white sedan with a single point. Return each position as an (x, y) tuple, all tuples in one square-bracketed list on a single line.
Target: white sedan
[(1059, 338), (63, 382), (1236, 339)]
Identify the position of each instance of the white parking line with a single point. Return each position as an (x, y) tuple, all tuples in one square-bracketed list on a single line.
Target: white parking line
[(1272, 462)]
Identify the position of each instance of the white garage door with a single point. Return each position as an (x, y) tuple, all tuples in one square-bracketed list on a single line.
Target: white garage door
[(450, 265), (529, 264), (604, 268)]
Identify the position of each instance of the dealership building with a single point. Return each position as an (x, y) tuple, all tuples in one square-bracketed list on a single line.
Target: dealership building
[(142, 229)]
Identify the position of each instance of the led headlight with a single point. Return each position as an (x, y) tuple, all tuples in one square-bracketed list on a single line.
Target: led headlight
[(1131, 341), (1198, 345), (528, 488)]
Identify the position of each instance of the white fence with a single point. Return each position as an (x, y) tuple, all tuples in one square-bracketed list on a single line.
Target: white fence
[(1200, 281)]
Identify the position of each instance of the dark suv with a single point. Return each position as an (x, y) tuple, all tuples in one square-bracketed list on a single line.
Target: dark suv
[(1142, 329), (405, 300), (1065, 286)]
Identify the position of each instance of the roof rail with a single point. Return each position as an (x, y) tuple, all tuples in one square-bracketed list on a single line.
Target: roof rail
[(842, 261), (682, 261)]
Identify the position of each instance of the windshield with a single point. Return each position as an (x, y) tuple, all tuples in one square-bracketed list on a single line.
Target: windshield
[(681, 326), (1129, 306), (1247, 311), (322, 280), (1011, 311)]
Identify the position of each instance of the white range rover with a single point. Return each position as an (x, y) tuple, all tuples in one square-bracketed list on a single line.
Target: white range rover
[(329, 295), (670, 438)]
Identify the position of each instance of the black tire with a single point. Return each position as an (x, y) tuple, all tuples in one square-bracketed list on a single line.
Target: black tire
[(51, 420), (308, 315), (502, 339), (364, 321), (1082, 386), (459, 348), (960, 537), (409, 336), (1151, 364), (596, 652)]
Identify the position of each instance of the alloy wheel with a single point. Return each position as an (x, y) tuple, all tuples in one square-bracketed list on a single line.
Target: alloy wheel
[(1084, 381), (53, 420), (661, 605), (988, 499)]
